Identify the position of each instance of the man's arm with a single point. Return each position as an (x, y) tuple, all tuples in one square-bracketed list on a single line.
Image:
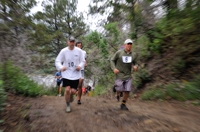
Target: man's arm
[(113, 60), (59, 60), (55, 75), (82, 61), (135, 66), (85, 62), (113, 63), (85, 55)]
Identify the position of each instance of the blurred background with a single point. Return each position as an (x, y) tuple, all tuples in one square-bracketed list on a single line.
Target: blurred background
[(165, 33)]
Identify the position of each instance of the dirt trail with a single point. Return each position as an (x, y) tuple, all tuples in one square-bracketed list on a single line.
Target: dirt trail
[(47, 114)]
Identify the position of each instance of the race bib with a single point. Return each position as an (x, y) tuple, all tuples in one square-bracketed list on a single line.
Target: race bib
[(126, 59)]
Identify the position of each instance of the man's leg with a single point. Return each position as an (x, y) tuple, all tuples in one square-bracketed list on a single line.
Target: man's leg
[(80, 90), (117, 95), (127, 86), (125, 97), (67, 98), (67, 94), (60, 90), (59, 87)]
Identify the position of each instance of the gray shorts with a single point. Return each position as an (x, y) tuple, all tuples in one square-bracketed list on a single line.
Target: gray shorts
[(123, 85)]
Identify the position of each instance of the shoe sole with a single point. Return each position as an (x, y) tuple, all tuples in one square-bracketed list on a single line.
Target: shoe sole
[(125, 109)]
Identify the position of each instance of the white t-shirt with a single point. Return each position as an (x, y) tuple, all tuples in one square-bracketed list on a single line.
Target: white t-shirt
[(85, 56), (70, 59)]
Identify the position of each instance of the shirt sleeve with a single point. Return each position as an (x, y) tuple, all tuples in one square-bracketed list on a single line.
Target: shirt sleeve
[(113, 60), (59, 60), (82, 60)]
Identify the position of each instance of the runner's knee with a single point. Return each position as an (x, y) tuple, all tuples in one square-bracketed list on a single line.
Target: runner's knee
[(67, 90)]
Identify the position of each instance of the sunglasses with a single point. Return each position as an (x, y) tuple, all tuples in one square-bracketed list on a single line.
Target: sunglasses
[(129, 43)]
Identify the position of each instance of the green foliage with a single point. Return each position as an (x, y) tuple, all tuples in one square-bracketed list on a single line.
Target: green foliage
[(54, 91), (140, 77), (104, 48), (16, 81), (155, 45), (178, 65), (2, 96), (53, 26), (94, 37), (171, 29), (178, 91), (99, 90), (142, 48), (113, 31), (2, 99), (97, 56), (153, 94)]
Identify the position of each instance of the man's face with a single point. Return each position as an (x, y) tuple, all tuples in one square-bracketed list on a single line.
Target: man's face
[(128, 46), (71, 43), (79, 45)]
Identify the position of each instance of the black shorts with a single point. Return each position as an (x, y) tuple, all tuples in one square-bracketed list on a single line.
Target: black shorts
[(58, 83), (72, 83)]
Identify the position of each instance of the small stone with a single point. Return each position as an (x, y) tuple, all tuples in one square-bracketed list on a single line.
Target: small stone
[(123, 115), (148, 121), (176, 130)]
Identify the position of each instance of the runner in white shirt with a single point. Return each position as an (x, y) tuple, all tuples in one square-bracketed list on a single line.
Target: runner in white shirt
[(70, 60), (80, 45)]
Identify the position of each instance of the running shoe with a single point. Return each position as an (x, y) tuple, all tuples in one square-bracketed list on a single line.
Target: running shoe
[(59, 95), (68, 109), (79, 102), (123, 107), (71, 98)]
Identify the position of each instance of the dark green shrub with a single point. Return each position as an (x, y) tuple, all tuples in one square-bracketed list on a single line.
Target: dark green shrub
[(178, 65), (178, 91), (140, 78), (2, 96), (153, 94), (18, 82)]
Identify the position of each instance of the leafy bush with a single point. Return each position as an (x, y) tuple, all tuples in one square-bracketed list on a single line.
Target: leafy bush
[(153, 94), (99, 90), (18, 82), (178, 65), (140, 78), (2, 96), (2, 99), (142, 48), (178, 91)]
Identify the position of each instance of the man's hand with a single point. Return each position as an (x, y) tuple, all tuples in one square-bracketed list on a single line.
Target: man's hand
[(135, 68), (63, 69), (78, 68), (116, 71)]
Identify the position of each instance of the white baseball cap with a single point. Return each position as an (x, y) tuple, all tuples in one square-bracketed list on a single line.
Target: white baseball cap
[(128, 41)]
